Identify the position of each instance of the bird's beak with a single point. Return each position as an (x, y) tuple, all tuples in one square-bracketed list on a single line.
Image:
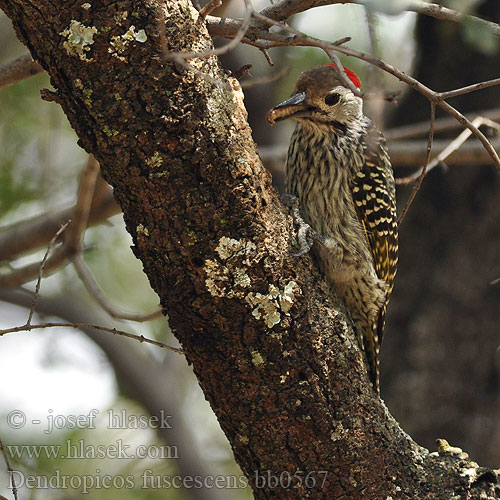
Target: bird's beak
[(295, 106)]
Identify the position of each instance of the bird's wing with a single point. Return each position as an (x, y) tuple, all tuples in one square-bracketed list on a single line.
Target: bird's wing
[(375, 201)]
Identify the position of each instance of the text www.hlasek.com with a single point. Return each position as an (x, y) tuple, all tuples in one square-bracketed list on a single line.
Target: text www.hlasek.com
[(81, 451)]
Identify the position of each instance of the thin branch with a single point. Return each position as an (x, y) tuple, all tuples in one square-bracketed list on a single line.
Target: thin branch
[(79, 326), (343, 75), (99, 296), (238, 37), (80, 218), (41, 269), (469, 88), (283, 9), (442, 124), (32, 234), (451, 148), (417, 187), (445, 14), (10, 470), (22, 275), (268, 57), (434, 97), (20, 69), (209, 7), (245, 84), (329, 49)]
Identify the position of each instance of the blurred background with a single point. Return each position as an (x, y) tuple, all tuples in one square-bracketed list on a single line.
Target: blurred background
[(440, 358)]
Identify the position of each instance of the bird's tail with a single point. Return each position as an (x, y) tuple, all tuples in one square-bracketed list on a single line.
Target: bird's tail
[(372, 339)]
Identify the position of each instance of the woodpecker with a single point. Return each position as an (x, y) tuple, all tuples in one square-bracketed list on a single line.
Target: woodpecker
[(339, 170)]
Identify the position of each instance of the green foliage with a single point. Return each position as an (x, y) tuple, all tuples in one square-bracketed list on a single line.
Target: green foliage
[(13, 190), (35, 138), (480, 37)]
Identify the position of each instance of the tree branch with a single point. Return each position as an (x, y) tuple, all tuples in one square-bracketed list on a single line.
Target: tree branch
[(15, 71), (35, 233)]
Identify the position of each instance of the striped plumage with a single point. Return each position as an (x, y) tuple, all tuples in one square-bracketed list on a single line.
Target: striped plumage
[(339, 169)]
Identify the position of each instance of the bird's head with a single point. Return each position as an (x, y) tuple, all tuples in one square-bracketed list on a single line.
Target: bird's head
[(321, 99)]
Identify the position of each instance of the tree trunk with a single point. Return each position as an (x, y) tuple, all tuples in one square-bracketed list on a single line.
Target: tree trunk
[(274, 356)]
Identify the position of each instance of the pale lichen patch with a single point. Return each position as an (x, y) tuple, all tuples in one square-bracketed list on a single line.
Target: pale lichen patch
[(337, 433), (217, 279), (469, 473), (270, 306), (141, 229), (79, 38), (243, 439), (241, 278), (443, 447), (229, 247), (287, 297), (155, 161), (120, 42), (227, 275), (257, 358)]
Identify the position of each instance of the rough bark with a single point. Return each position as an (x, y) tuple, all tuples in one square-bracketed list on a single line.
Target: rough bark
[(273, 354)]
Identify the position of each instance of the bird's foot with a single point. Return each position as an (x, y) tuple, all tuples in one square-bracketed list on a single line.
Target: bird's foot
[(306, 235)]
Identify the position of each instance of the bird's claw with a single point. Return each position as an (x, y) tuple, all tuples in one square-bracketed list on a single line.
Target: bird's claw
[(306, 235)]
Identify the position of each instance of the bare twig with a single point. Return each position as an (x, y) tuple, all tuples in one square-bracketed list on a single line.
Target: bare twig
[(73, 245), (245, 84), (283, 9), (99, 296), (422, 175), (469, 88), (30, 272), (445, 14), (268, 57), (72, 250), (82, 208), (209, 7), (79, 326), (242, 71), (41, 269), (32, 234), (434, 97), (442, 124), (238, 36), (15, 71), (9, 469), (300, 39), (329, 49), (340, 68), (451, 148)]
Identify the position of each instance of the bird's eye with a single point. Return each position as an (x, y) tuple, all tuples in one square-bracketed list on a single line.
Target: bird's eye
[(332, 99)]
